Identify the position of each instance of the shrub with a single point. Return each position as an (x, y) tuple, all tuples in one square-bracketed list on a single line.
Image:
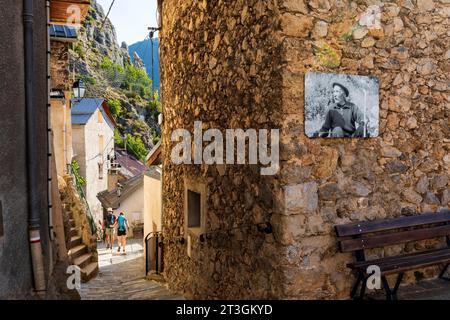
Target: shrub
[(80, 51), (116, 107)]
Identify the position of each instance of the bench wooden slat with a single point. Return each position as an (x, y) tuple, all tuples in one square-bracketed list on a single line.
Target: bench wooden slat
[(382, 240), (417, 266), (359, 228), (411, 259), (416, 263)]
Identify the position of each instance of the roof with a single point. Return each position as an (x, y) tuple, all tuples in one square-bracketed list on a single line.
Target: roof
[(154, 156), (83, 109), (130, 166), (81, 118), (111, 199), (86, 105), (62, 32)]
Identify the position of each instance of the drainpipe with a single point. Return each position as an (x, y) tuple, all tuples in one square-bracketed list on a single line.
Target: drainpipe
[(32, 151)]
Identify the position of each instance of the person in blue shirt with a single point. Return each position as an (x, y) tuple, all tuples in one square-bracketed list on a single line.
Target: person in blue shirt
[(123, 225)]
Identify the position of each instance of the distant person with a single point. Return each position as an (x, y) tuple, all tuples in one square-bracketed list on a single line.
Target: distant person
[(109, 228), (343, 119), (122, 223)]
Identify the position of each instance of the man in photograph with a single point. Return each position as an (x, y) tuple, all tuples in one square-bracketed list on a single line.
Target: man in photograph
[(343, 119)]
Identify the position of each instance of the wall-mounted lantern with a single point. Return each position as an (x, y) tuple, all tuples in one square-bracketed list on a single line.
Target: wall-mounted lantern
[(79, 89)]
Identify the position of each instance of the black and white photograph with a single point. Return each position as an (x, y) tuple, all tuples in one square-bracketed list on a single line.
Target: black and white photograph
[(341, 106)]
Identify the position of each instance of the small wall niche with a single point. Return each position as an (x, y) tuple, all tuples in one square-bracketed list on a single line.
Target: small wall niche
[(194, 207)]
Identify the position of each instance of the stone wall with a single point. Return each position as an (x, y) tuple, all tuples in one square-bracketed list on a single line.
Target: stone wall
[(404, 171), (242, 64), (59, 66), (219, 65)]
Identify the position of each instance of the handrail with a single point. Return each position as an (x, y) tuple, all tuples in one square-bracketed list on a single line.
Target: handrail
[(157, 235), (79, 188)]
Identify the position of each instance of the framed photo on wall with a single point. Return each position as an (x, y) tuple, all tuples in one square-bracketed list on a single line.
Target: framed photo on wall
[(341, 106)]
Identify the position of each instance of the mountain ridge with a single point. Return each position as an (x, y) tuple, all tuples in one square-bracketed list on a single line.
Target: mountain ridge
[(144, 50)]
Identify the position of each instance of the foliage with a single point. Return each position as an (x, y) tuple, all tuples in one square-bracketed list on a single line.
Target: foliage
[(88, 80), (155, 105), (155, 137), (79, 179), (134, 81), (136, 146), (116, 107), (80, 51), (118, 141), (133, 144)]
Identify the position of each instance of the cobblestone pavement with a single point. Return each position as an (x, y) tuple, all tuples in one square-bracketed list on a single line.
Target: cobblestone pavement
[(435, 289), (121, 277)]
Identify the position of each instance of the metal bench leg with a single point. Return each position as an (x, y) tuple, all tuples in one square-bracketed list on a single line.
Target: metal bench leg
[(356, 285), (363, 288), (397, 285), (443, 272), (386, 288)]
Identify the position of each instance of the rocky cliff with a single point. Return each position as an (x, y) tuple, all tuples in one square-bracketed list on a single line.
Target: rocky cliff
[(110, 73)]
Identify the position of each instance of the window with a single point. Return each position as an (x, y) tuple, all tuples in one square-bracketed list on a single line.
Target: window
[(100, 171), (194, 209)]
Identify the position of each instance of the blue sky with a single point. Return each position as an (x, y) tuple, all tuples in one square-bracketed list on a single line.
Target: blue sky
[(131, 18)]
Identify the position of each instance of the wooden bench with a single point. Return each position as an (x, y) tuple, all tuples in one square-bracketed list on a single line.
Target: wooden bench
[(360, 236)]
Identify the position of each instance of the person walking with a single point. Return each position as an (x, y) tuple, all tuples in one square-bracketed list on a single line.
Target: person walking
[(123, 225), (109, 228)]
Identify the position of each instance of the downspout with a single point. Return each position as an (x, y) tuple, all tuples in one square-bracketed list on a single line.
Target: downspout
[(32, 151)]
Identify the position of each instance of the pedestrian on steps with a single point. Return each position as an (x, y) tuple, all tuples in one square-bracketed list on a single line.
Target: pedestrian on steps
[(109, 223), (123, 225)]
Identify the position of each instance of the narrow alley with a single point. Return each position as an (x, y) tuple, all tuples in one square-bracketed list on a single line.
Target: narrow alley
[(121, 277)]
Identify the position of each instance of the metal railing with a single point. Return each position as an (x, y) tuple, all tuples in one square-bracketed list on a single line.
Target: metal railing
[(80, 190), (154, 252)]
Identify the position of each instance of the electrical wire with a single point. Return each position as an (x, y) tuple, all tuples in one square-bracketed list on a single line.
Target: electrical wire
[(106, 17)]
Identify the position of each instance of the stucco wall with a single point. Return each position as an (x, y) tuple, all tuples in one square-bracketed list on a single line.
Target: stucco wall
[(59, 124), (94, 185), (15, 268), (152, 204)]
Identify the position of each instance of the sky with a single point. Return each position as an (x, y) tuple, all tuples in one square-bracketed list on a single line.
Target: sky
[(131, 18)]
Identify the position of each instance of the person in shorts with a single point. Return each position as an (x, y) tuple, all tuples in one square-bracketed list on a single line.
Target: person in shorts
[(122, 224), (110, 220)]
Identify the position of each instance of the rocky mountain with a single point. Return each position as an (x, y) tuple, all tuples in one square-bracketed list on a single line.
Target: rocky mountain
[(144, 49), (110, 73)]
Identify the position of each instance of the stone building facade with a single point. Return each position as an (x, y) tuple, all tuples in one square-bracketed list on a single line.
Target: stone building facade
[(242, 64)]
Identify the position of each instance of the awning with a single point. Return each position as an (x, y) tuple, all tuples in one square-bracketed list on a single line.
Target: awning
[(60, 11)]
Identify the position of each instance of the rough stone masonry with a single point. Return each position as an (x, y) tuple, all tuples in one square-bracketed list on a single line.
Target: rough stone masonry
[(241, 64)]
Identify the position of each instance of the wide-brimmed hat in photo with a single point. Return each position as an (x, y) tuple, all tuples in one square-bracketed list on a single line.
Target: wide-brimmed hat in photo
[(347, 93)]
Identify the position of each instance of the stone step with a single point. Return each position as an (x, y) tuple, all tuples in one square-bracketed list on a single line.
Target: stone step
[(75, 241), (77, 251), (72, 223), (83, 260), (73, 232), (89, 272)]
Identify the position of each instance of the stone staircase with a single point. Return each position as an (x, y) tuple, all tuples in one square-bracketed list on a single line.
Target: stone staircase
[(79, 254)]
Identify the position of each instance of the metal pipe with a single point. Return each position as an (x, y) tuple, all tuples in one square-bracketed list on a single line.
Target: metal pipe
[(34, 201)]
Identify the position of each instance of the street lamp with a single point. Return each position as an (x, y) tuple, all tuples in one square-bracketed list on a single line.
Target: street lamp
[(79, 89)]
